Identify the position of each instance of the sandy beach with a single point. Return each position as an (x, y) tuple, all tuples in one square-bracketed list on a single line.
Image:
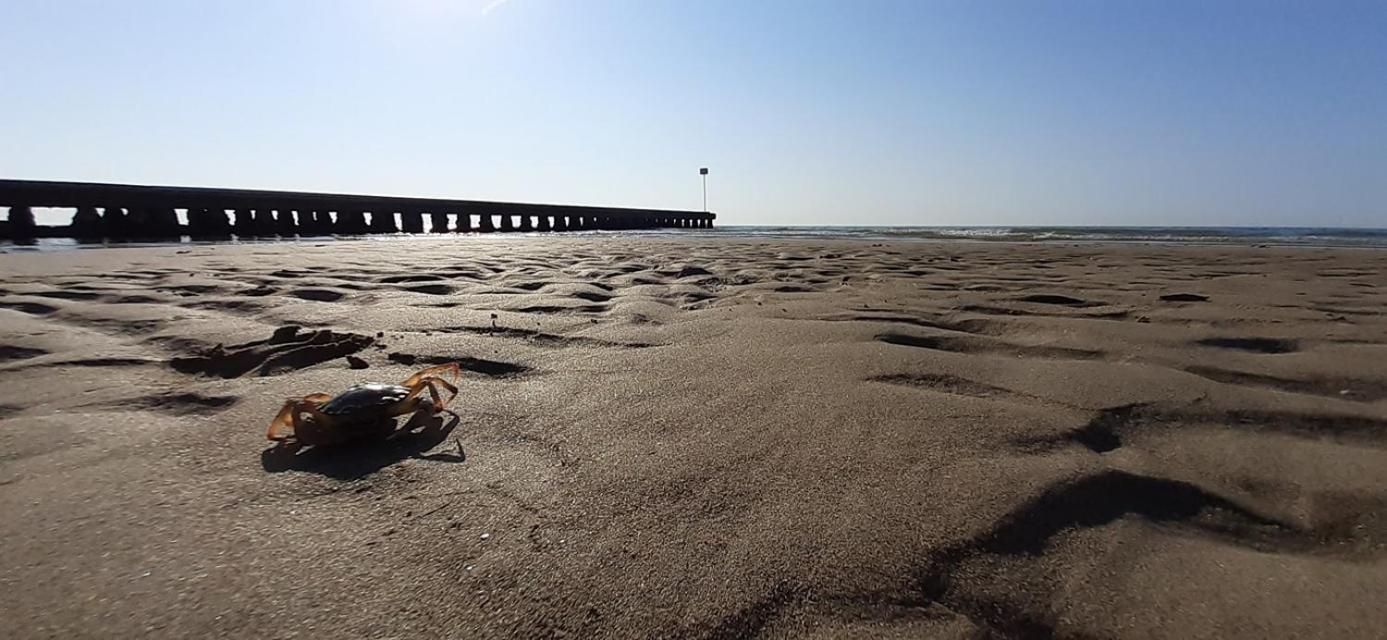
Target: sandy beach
[(699, 438)]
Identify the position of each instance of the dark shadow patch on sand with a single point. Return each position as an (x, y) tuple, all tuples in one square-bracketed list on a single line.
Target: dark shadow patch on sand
[(1354, 389), (1170, 506), (1100, 435), (192, 289), (410, 278), (751, 620), (67, 295), (225, 304), (561, 309), (1056, 299), (591, 296), (136, 299), (10, 353), (178, 404), (944, 383), (540, 338), (980, 326), (430, 289), (317, 295), (1184, 297), (286, 350), (9, 411), (493, 368), (1255, 345), (118, 326), (99, 362), (360, 459), (1110, 428), (1118, 314), (31, 308), (968, 344)]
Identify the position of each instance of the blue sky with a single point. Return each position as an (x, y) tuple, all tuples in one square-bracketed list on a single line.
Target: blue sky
[(932, 113)]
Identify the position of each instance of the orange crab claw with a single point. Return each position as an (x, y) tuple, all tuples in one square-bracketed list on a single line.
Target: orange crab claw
[(282, 427)]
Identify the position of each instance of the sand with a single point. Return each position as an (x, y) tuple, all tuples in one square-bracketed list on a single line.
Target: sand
[(701, 438)]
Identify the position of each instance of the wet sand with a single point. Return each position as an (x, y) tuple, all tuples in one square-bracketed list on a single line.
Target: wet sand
[(700, 439)]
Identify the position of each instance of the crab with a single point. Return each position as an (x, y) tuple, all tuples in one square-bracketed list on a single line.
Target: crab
[(364, 410)]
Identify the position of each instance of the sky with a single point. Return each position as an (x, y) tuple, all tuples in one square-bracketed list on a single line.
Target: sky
[(1064, 112)]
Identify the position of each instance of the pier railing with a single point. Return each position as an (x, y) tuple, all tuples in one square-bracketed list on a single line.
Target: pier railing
[(119, 211)]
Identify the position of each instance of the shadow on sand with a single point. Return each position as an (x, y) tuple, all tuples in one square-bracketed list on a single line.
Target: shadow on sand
[(357, 460)]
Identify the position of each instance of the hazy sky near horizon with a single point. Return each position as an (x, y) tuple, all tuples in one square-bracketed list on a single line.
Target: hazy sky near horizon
[(1159, 112)]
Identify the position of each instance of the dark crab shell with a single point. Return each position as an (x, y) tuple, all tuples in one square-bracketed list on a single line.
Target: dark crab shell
[(365, 401)]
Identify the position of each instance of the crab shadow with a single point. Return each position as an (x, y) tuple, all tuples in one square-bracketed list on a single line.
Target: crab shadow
[(356, 460)]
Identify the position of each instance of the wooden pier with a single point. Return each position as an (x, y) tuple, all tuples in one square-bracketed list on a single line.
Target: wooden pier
[(122, 211)]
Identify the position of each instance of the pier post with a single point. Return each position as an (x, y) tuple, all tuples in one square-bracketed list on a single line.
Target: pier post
[(439, 222), (216, 223), (383, 222), (156, 222), (197, 222), (351, 222), (544, 224), (526, 224), (560, 223), (326, 225), (243, 226), (464, 223), (86, 223), (21, 222), (412, 221), (487, 224), (262, 222), (113, 222), (284, 222), (507, 223), (308, 222)]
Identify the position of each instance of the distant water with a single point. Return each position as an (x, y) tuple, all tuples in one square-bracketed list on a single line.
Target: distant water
[(1283, 236), (1309, 236)]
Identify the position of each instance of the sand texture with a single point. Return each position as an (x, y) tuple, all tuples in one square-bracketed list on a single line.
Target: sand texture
[(699, 439)]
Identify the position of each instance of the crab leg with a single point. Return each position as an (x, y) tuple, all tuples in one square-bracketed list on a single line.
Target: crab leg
[(429, 383), (451, 371)]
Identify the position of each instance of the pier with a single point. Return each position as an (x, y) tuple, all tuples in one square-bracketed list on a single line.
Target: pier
[(121, 211)]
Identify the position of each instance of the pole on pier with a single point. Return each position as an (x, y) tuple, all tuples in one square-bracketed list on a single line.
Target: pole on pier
[(703, 171)]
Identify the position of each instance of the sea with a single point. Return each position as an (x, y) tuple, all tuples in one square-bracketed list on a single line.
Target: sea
[(1270, 236)]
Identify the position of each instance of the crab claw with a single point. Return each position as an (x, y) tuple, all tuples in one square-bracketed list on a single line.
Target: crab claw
[(282, 427)]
